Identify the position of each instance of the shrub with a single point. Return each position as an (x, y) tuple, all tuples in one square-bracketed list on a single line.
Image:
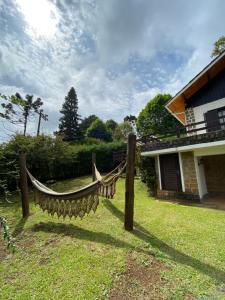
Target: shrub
[(148, 174), (99, 130), (52, 158)]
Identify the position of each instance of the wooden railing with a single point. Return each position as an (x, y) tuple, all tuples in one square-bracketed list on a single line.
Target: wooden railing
[(184, 131)]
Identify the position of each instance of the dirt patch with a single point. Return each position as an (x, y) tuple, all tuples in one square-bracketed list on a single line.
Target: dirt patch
[(26, 241), (52, 241), (4, 252), (141, 280)]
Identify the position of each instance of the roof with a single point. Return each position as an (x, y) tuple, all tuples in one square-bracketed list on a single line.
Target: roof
[(176, 105)]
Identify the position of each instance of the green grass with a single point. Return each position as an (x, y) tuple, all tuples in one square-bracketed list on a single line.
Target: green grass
[(81, 259)]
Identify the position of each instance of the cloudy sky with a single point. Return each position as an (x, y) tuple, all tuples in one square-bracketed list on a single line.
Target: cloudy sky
[(117, 54)]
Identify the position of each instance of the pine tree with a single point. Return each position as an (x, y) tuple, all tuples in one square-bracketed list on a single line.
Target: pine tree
[(69, 123)]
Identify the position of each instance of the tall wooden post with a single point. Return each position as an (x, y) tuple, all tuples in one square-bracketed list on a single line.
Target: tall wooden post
[(129, 185), (23, 185), (93, 165)]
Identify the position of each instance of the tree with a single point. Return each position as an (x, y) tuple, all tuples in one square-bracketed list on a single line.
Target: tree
[(155, 118), (122, 131), (69, 123), (86, 122), (111, 124), (29, 107), (17, 110), (99, 130), (219, 46), (41, 116)]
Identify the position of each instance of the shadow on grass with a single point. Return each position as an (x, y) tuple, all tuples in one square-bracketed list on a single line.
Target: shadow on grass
[(84, 234), (19, 227), (140, 232), (173, 254)]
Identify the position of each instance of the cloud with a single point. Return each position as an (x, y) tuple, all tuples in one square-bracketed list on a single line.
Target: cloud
[(117, 54)]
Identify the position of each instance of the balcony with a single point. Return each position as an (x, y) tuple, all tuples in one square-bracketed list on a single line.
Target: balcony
[(191, 134)]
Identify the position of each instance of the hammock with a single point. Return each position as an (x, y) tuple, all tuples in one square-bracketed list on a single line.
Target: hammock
[(79, 202), (108, 182)]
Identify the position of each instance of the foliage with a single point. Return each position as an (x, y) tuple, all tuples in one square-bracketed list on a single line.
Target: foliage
[(52, 158), (9, 172), (122, 131), (99, 130), (6, 235), (219, 46), (86, 122), (69, 127), (131, 119), (8, 111), (147, 172), (155, 118), (17, 110), (29, 107), (111, 125)]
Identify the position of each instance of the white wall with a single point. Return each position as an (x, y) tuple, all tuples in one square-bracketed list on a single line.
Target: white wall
[(200, 173), (199, 111)]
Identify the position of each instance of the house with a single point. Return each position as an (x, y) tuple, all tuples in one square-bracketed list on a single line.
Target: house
[(191, 164)]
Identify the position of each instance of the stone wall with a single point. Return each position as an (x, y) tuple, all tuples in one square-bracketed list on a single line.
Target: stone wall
[(214, 166), (190, 177), (190, 116)]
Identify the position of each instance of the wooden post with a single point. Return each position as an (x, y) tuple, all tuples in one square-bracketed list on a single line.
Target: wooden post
[(93, 167), (129, 185), (23, 185)]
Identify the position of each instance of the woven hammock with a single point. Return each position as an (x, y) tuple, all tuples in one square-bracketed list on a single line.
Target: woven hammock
[(79, 202), (108, 182)]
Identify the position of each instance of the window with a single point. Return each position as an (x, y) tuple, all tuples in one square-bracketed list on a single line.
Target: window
[(221, 114), (215, 119)]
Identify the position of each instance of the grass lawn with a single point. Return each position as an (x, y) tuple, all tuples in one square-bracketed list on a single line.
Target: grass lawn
[(175, 252)]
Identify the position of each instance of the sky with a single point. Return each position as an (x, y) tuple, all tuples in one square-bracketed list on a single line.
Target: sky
[(118, 54)]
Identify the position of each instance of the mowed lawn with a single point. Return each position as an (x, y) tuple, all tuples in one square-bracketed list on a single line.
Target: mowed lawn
[(175, 251)]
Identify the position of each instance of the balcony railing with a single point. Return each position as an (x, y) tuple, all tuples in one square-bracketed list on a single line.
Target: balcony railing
[(204, 131)]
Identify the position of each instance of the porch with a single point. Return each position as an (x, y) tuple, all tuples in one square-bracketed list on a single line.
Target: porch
[(191, 167)]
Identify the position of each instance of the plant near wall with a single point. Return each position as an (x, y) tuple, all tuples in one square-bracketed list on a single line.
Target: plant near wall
[(148, 174), (8, 171)]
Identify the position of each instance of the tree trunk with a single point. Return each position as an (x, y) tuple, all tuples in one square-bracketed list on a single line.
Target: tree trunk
[(25, 125), (39, 124)]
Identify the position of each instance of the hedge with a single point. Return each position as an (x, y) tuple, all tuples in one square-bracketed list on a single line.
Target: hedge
[(50, 158)]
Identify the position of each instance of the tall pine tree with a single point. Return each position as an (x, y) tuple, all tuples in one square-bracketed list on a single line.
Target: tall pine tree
[(69, 123)]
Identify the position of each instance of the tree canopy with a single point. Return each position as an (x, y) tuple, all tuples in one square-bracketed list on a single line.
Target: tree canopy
[(99, 130), (86, 122), (155, 118), (219, 46), (111, 124), (69, 122), (122, 131)]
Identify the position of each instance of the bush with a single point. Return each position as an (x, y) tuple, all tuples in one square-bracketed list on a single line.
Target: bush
[(99, 130), (148, 174), (51, 158)]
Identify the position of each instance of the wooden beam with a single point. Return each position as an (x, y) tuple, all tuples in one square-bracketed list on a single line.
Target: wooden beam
[(24, 185), (93, 158), (129, 184)]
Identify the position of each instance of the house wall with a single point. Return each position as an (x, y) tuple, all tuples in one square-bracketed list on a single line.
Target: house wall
[(189, 174), (215, 173), (199, 111), (188, 178)]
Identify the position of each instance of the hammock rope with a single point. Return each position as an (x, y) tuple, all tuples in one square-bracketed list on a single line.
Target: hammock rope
[(79, 202), (108, 182)]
